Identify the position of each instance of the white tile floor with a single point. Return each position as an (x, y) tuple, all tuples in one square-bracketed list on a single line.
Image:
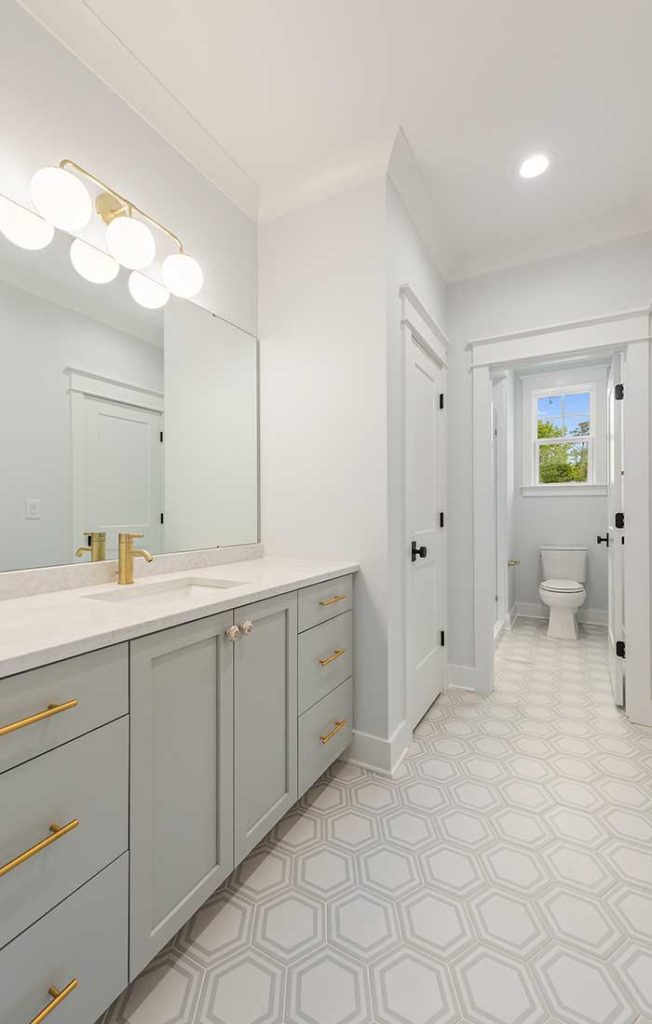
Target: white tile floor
[(505, 877)]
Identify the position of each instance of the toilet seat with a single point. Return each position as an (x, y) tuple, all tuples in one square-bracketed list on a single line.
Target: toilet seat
[(562, 586)]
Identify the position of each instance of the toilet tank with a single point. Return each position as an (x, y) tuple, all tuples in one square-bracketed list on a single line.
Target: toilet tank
[(563, 563)]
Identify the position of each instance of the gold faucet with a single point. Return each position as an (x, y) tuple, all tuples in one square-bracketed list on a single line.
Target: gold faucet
[(126, 554), (96, 545)]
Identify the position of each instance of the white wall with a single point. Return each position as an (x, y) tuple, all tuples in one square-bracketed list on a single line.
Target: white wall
[(53, 107), (588, 283), (564, 520), (330, 359), (38, 341)]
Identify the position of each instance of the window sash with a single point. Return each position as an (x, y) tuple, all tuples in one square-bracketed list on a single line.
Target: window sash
[(587, 439)]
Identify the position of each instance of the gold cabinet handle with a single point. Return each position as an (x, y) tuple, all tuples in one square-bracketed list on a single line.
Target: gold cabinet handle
[(57, 833), (52, 709), (332, 600), (247, 628), (334, 731), (332, 657), (57, 998), (232, 633), (513, 561)]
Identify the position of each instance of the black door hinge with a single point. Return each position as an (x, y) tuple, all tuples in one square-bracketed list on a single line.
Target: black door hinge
[(441, 519), (620, 520), (160, 437), (441, 399), (619, 392), (162, 518), (620, 648), (442, 638)]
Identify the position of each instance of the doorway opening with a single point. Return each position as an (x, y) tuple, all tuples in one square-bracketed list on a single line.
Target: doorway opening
[(566, 542)]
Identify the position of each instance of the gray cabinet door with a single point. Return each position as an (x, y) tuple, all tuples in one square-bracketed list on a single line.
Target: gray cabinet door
[(265, 718), (181, 814)]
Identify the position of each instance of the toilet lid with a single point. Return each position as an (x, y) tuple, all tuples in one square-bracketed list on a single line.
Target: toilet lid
[(563, 586)]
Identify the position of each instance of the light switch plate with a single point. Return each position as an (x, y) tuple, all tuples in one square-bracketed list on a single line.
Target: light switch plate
[(32, 508)]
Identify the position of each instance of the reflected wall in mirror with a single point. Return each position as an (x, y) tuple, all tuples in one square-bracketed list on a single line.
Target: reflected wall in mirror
[(118, 418)]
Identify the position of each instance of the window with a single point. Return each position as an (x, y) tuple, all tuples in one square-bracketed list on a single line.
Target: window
[(564, 437), (564, 431)]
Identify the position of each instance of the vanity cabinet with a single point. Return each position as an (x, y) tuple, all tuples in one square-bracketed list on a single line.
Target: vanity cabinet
[(265, 718), (181, 777)]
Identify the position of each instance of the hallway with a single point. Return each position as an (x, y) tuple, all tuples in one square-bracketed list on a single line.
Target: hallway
[(504, 877)]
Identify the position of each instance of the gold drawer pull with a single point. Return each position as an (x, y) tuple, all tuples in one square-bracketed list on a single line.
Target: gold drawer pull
[(332, 657), (52, 709), (332, 600), (334, 731), (57, 833), (57, 998)]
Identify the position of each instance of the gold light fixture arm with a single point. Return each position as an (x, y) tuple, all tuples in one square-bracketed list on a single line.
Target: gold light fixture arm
[(126, 206)]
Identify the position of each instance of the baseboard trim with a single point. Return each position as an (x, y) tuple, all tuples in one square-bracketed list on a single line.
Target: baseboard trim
[(587, 616), (512, 615), (461, 676), (377, 754)]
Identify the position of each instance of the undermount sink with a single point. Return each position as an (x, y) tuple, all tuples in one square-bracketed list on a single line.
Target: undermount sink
[(189, 588)]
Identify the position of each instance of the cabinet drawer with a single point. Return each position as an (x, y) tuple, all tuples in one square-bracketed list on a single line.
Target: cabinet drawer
[(322, 737), (84, 781), (325, 659), (84, 939), (324, 601), (97, 681)]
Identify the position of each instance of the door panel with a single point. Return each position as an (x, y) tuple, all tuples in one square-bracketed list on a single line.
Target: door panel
[(181, 777), (118, 470), (424, 503), (615, 553), (265, 719)]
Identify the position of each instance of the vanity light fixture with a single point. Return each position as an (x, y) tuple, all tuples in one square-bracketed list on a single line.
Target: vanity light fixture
[(23, 227), (61, 199), (534, 165), (93, 264), (146, 292)]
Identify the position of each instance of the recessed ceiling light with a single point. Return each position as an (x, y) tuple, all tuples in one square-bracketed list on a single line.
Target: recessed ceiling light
[(535, 165)]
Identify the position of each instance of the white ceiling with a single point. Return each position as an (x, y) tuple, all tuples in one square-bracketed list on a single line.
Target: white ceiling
[(300, 92)]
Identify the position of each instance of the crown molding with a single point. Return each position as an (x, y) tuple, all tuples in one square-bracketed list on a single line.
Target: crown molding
[(83, 33)]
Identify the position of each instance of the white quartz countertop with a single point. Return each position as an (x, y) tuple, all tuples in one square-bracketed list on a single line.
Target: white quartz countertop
[(39, 630)]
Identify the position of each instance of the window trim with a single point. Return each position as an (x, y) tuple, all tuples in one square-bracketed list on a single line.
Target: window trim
[(570, 381)]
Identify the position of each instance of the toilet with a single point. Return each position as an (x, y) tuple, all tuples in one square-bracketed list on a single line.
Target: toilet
[(563, 571)]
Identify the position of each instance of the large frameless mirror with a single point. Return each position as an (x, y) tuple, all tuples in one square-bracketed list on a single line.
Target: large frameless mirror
[(114, 417)]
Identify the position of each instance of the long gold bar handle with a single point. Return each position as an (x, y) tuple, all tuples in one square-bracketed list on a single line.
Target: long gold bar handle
[(332, 657), (337, 728), (52, 709), (57, 833), (57, 998), (332, 600)]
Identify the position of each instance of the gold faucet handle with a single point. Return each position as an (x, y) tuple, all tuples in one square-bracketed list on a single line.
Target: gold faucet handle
[(134, 536)]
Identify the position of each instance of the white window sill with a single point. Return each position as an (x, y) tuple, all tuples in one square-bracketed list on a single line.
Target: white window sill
[(563, 490)]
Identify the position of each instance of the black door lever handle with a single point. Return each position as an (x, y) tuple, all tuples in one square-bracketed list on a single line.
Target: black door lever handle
[(418, 552), (603, 540)]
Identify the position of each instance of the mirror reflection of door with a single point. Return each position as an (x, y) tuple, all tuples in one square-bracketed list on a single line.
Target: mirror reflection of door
[(117, 472)]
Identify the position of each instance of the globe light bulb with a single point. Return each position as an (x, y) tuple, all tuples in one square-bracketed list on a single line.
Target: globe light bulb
[(146, 292), (130, 242), (61, 199), (23, 227), (183, 275), (93, 264)]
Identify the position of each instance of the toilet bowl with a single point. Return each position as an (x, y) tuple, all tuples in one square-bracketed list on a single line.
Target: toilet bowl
[(562, 590)]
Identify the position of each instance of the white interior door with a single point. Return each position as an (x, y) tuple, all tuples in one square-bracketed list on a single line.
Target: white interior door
[(117, 472), (615, 505), (425, 549)]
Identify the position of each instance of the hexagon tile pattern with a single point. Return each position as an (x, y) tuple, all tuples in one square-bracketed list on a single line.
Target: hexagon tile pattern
[(504, 876)]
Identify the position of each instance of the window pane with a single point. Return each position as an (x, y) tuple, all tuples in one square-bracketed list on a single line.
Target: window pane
[(578, 404), (548, 406), (550, 426), (564, 463), (577, 425)]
